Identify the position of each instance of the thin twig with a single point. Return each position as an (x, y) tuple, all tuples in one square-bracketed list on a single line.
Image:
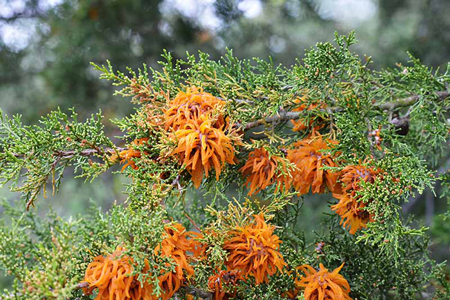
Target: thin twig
[(285, 116), (192, 222), (205, 295), (280, 117), (83, 285), (72, 153), (238, 100), (410, 101)]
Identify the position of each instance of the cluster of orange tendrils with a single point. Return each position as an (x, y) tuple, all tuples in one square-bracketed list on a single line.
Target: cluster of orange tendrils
[(302, 124), (111, 275), (203, 138), (201, 146), (189, 106), (351, 210), (254, 250), (263, 169), (127, 156), (175, 245), (309, 157), (323, 285), (223, 284)]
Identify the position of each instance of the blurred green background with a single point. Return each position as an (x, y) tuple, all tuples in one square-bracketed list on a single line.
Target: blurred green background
[(46, 47)]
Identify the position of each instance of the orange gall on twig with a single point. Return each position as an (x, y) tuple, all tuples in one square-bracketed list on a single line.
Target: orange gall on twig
[(190, 106), (302, 123), (323, 285), (111, 275), (254, 250), (201, 147), (309, 157), (353, 214), (263, 170)]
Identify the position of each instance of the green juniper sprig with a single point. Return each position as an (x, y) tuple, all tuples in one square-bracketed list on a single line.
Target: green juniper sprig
[(45, 151)]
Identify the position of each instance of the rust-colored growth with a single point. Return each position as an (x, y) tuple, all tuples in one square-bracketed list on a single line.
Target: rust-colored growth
[(302, 123), (189, 106), (309, 157), (126, 156), (352, 212), (111, 275), (203, 135), (263, 170), (174, 245), (254, 250), (201, 146), (222, 283), (323, 285)]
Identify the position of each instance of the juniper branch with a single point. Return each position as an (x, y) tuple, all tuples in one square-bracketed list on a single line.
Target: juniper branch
[(237, 100), (283, 116), (59, 156), (410, 101), (86, 152)]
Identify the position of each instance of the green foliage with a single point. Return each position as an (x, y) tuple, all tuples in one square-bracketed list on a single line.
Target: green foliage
[(45, 255), (356, 107), (399, 273), (46, 150)]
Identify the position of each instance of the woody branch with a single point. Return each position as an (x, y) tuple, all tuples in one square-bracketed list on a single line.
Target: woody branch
[(86, 152), (283, 116)]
